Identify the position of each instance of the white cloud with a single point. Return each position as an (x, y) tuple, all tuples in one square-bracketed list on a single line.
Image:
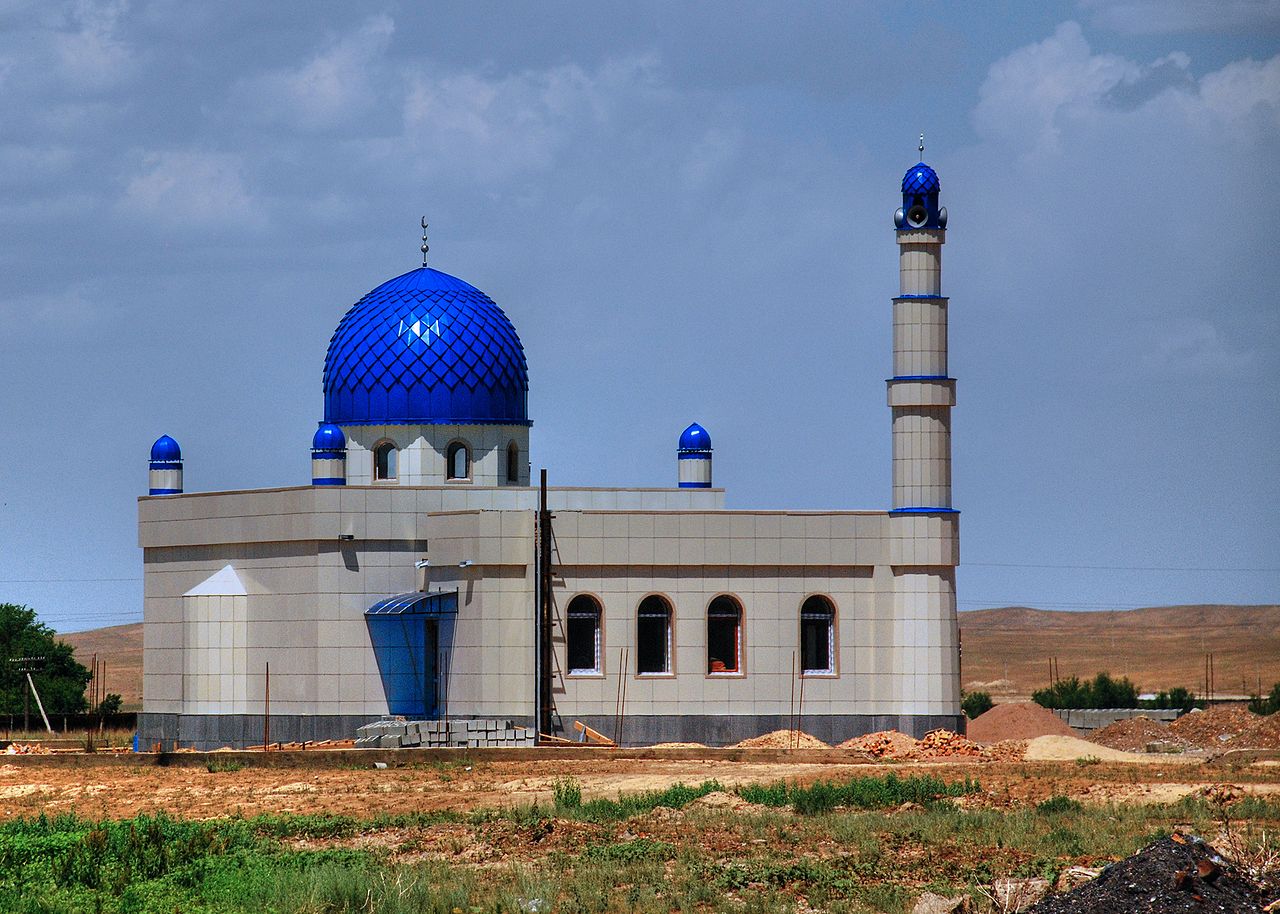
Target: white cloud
[(183, 187), (1154, 17), (333, 86), (1192, 345), (92, 55), (494, 128), (1032, 95)]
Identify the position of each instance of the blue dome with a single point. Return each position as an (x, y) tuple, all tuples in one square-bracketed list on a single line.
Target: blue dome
[(920, 179), (425, 348), (328, 437), (695, 438), (165, 450)]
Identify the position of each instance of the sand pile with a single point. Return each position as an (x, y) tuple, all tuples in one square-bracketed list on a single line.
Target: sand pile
[(1212, 729), (885, 744), (1067, 748), (1135, 734), (783, 739), (1016, 720)]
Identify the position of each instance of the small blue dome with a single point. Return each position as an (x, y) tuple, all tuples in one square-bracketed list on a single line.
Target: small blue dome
[(165, 450), (425, 348), (920, 179), (695, 438), (328, 437)]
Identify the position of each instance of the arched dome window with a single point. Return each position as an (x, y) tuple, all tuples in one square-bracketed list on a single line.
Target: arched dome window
[(384, 461), (458, 461), (817, 636), (653, 637), (724, 636), (513, 463), (583, 647)]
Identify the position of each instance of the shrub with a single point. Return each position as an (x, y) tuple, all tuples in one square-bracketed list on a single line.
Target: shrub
[(1268, 705), (1102, 692), (976, 703), (567, 793), (1058, 804)]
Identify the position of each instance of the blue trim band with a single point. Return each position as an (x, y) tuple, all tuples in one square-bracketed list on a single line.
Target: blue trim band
[(165, 492), (919, 377), (166, 464), (923, 511), (922, 298), (329, 481), (695, 485), (328, 455), (694, 455), (528, 423)]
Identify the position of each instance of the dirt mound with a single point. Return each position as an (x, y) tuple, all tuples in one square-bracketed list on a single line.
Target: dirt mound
[(718, 799), (1212, 729), (783, 739), (885, 744), (1016, 720), (678, 746), (1263, 733), (1178, 873), (1136, 734)]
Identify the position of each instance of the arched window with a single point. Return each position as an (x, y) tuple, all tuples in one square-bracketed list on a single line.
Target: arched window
[(384, 461), (458, 461), (653, 636), (583, 635), (817, 636), (724, 636), (513, 463)]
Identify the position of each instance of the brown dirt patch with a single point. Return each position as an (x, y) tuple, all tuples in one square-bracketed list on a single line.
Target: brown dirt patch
[(1016, 720), (783, 739)]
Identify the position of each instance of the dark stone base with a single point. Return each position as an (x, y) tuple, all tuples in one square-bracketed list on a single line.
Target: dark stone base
[(725, 730), (212, 731)]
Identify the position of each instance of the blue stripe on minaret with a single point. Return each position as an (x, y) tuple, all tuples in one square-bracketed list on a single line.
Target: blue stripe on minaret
[(695, 485)]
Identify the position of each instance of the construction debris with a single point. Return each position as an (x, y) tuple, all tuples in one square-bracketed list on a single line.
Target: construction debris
[(27, 749), (1177, 873), (1213, 729), (1139, 734), (885, 744), (466, 734)]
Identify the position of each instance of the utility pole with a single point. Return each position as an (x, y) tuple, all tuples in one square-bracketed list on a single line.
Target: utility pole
[(27, 666), (544, 610)]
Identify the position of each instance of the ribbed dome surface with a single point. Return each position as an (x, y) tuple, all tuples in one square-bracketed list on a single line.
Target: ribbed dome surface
[(695, 438), (425, 348), (165, 450), (920, 179)]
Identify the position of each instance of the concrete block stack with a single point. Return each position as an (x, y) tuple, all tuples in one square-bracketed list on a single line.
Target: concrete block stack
[(390, 733)]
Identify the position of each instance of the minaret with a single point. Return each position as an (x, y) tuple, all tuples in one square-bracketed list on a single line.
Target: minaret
[(329, 456), (165, 469), (693, 458), (921, 393)]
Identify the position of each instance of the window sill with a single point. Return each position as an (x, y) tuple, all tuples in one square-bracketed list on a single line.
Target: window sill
[(459, 482), (584, 674), (386, 482), (728, 674), (819, 674), (655, 676)]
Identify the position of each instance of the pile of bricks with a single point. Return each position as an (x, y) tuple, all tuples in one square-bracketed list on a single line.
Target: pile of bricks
[(466, 734)]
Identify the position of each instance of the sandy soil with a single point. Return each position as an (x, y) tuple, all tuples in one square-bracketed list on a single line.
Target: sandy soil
[(27, 790)]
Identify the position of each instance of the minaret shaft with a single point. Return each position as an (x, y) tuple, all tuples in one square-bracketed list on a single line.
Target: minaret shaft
[(921, 393)]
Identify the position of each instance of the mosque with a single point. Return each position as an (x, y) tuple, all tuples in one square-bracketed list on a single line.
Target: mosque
[(423, 572)]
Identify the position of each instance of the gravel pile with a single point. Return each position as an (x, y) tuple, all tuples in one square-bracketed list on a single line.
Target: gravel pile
[(1136, 734), (1174, 874), (1263, 733), (1016, 720), (1212, 729)]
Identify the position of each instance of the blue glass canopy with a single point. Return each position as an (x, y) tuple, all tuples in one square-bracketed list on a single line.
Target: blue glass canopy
[(425, 348), (440, 603)]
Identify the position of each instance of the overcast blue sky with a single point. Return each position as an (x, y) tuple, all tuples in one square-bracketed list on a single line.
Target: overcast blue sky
[(686, 211)]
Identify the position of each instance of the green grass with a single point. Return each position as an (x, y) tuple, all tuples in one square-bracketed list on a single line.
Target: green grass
[(830, 846)]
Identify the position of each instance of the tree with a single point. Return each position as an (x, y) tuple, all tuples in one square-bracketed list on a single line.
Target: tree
[(1268, 705), (976, 703), (1103, 692), (111, 704), (60, 679)]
